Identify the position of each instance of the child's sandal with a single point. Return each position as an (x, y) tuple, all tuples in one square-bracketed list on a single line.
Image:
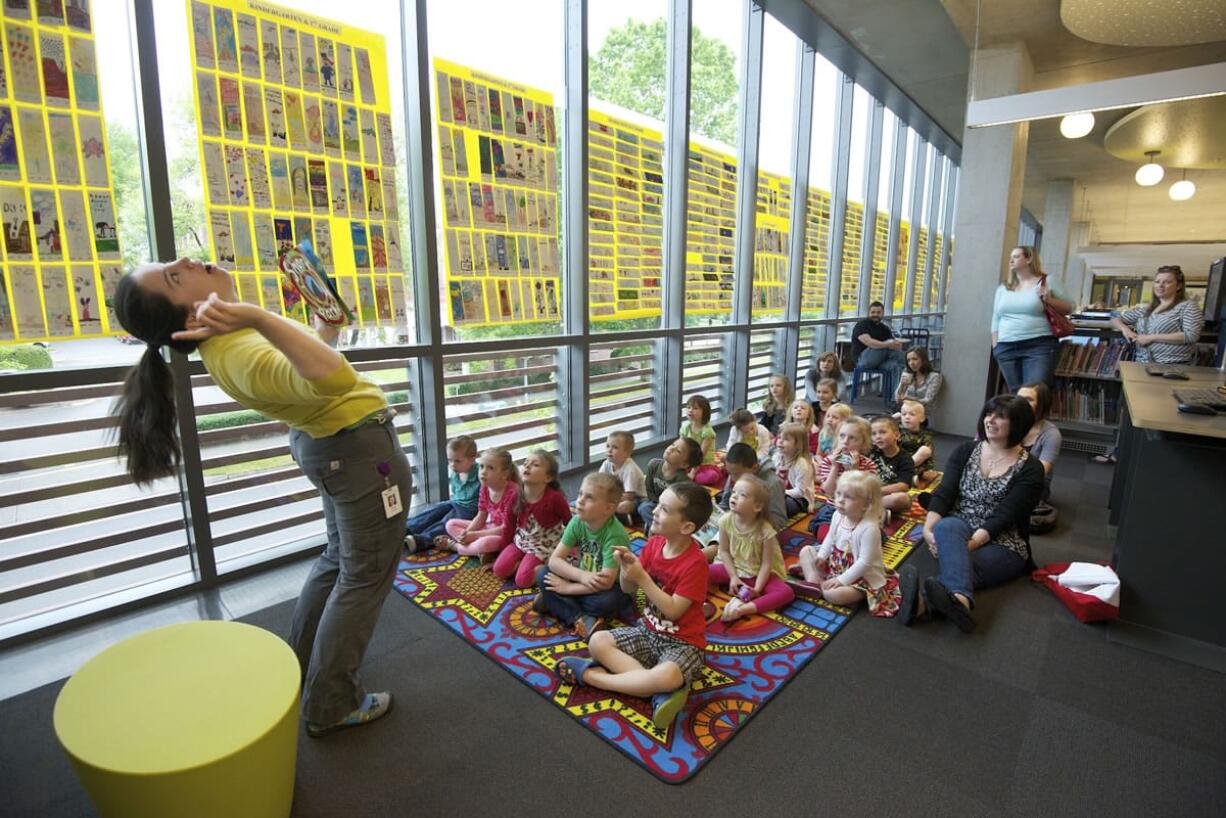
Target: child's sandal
[(571, 669)]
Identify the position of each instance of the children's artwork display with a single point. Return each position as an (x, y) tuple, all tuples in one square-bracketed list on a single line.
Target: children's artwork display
[(625, 218), (61, 247), (498, 164), (295, 131), (771, 244)]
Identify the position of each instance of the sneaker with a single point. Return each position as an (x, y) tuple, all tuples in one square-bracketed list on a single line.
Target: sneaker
[(410, 544), (538, 604), (374, 706), (709, 611), (666, 706), (585, 626)]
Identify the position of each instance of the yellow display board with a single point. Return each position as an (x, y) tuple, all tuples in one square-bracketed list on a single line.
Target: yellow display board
[(499, 168), (770, 245), (295, 131), (817, 251), (853, 237), (60, 248), (710, 231), (625, 218)]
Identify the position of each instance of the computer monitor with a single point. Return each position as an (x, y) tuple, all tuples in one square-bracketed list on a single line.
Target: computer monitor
[(1215, 293)]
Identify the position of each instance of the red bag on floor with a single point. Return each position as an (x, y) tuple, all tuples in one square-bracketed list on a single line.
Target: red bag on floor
[(1086, 607)]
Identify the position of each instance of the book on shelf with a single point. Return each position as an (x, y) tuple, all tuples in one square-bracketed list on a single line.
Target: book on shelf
[(1099, 357), (1086, 402)]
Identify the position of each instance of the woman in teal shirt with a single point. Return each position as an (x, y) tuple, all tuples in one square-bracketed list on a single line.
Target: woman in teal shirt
[(1022, 343)]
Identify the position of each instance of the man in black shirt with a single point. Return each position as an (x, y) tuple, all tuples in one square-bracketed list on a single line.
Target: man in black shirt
[(873, 345)]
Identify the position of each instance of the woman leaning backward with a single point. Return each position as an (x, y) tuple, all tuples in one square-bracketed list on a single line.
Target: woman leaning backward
[(341, 436)]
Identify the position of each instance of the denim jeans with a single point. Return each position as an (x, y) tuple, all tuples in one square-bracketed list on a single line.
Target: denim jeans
[(891, 360), (962, 570), (645, 509), (1029, 361), (569, 607), (431, 521)]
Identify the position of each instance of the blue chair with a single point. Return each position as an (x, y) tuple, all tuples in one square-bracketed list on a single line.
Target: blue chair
[(887, 384)]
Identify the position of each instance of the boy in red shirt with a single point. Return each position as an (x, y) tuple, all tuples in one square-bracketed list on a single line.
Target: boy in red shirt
[(661, 655)]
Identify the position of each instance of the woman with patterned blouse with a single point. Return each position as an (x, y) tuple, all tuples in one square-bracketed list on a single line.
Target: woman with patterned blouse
[(978, 524), (1166, 329)]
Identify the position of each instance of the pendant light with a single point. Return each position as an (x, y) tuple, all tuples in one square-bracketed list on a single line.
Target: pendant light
[(1183, 189), (1075, 126), (1151, 172)]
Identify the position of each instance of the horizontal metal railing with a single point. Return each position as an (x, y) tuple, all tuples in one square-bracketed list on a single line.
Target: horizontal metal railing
[(620, 393)]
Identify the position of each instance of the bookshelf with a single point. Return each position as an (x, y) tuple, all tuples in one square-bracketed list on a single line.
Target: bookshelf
[(1086, 398)]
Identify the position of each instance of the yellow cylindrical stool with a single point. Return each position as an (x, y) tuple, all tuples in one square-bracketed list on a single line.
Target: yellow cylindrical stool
[(197, 719)]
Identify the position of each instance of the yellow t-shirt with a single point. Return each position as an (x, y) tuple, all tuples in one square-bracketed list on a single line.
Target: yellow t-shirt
[(248, 368), (746, 547)]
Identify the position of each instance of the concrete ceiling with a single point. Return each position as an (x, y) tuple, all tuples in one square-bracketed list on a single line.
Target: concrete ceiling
[(1107, 196), (915, 44)]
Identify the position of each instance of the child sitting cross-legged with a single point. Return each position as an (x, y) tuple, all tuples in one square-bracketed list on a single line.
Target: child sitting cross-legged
[(740, 461), (659, 657), (485, 533), (917, 441), (682, 455), (579, 584), (746, 429), (619, 461), (849, 565), (795, 467), (895, 468), (428, 528), (540, 518), (828, 435), (750, 560)]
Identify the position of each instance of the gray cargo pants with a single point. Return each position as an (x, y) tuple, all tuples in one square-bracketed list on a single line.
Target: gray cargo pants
[(342, 596)]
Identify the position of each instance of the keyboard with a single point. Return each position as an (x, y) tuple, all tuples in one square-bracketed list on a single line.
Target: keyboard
[(1201, 397)]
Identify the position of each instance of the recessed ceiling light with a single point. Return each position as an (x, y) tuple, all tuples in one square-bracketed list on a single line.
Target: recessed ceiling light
[(1151, 172), (1075, 126)]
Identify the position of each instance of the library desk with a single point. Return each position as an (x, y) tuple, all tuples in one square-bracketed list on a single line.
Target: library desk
[(1166, 497)]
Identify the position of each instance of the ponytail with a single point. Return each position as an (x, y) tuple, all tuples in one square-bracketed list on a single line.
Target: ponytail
[(145, 408), (148, 437)]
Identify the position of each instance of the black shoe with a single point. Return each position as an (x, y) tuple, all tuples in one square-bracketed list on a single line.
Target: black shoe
[(908, 585), (924, 498), (943, 601)]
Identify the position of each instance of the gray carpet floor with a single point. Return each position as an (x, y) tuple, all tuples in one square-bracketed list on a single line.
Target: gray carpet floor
[(1033, 714)]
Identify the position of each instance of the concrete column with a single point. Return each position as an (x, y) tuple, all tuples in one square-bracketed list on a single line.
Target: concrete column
[(1057, 224), (985, 227)]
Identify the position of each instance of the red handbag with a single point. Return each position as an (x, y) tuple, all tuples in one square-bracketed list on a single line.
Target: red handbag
[(1085, 607), (1061, 326)]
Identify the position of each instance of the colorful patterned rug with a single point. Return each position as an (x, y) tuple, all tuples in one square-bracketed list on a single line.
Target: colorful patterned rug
[(748, 661)]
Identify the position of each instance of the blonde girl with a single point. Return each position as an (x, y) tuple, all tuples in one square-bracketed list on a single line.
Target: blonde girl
[(795, 468), (698, 429), (540, 518), (850, 454), (828, 436), (779, 396), (849, 566), (802, 413), (496, 501), (750, 561)]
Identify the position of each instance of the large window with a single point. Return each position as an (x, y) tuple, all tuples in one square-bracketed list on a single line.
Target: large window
[(285, 126), (715, 70), (881, 228), (773, 208), (901, 303), (627, 78), (817, 214), (498, 91), (853, 220)]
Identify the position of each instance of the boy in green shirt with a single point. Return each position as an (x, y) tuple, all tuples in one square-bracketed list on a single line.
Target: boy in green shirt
[(579, 584)]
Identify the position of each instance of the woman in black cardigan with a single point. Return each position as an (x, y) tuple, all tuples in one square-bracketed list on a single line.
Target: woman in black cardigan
[(978, 523)]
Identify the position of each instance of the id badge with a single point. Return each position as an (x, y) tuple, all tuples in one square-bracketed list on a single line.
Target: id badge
[(391, 501)]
